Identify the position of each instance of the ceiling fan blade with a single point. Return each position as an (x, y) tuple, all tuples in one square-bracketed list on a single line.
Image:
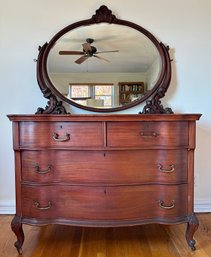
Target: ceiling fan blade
[(81, 59), (71, 52), (87, 47), (101, 58), (112, 51)]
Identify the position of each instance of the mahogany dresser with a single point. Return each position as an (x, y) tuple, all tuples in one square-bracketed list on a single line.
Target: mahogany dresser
[(104, 170)]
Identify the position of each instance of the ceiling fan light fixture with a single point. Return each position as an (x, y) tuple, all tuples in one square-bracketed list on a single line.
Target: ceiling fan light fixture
[(88, 51)]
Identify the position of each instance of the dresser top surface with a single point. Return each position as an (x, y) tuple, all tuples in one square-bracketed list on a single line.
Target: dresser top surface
[(103, 117)]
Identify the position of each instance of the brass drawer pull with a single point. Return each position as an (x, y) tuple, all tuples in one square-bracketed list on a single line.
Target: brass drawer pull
[(37, 205), (57, 138), (149, 134), (37, 169), (167, 207), (160, 168)]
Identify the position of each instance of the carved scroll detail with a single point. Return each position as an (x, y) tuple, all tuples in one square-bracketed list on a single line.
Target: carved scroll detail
[(154, 105), (103, 14), (53, 105)]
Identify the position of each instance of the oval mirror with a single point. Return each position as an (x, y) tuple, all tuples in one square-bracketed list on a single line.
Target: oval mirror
[(102, 64)]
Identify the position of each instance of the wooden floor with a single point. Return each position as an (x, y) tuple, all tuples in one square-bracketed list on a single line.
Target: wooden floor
[(141, 241)]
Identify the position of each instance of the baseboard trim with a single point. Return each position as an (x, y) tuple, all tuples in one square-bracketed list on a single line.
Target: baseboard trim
[(7, 207), (200, 206)]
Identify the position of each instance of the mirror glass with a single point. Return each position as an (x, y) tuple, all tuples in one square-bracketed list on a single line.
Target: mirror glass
[(104, 65)]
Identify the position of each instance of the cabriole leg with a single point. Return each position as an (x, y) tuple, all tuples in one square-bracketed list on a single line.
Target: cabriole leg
[(16, 226), (192, 226)]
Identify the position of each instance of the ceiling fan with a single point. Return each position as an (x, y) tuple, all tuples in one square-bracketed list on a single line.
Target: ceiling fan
[(88, 51)]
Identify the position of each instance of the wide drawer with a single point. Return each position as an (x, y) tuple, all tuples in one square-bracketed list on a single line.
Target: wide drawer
[(104, 203), (105, 167), (147, 134), (61, 134)]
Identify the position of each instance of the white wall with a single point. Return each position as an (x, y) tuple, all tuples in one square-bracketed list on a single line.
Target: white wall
[(184, 25)]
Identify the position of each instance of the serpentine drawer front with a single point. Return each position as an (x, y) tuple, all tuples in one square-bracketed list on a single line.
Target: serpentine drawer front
[(104, 170), (105, 167), (61, 134), (143, 134), (112, 203)]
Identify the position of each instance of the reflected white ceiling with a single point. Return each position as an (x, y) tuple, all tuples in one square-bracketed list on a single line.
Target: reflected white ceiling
[(136, 52)]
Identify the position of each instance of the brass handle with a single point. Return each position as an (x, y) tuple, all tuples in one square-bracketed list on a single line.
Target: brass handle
[(148, 135), (57, 138), (37, 169), (160, 168), (167, 207), (37, 205)]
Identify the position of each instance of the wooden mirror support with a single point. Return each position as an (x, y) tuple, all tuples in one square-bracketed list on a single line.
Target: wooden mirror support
[(152, 98)]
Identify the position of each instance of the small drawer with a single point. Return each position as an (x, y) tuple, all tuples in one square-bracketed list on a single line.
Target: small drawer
[(103, 204), (105, 167), (61, 134), (147, 134)]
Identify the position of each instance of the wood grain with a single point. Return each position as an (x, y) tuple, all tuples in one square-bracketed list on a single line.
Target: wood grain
[(104, 171), (147, 134), (80, 134), (105, 205), (105, 167)]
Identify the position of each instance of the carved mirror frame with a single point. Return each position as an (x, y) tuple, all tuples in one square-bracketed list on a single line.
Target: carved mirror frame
[(103, 15)]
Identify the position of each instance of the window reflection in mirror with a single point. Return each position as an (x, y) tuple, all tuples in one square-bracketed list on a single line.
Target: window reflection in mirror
[(92, 95)]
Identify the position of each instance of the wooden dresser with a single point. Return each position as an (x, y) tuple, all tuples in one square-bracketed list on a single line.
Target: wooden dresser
[(104, 170)]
